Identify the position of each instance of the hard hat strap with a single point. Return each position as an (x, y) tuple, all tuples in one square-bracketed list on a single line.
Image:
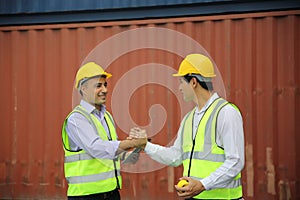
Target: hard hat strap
[(82, 81), (206, 83)]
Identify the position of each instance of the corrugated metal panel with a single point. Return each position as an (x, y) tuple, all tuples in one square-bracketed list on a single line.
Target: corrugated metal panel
[(28, 12), (38, 6), (54, 6), (257, 55)]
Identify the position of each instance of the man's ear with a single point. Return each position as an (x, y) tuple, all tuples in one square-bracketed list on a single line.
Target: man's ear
[(194, 82), (83, 89)]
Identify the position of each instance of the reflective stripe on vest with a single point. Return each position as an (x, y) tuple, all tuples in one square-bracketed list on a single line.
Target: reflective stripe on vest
[(85, 174), (78, 157), (92, 178), (234, 184), (202, 156)]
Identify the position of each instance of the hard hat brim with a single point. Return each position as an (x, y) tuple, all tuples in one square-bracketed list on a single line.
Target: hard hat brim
[(108, 75), (178, 75)]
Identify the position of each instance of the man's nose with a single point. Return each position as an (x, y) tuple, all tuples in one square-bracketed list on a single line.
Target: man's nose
[(104, 88)]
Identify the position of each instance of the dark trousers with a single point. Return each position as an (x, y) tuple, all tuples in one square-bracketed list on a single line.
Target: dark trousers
[(112, 195)]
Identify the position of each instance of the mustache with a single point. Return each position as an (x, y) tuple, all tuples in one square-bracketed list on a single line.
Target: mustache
[(103, 94)]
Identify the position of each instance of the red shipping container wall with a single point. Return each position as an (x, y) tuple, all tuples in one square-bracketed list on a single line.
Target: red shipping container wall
[(256, 53)]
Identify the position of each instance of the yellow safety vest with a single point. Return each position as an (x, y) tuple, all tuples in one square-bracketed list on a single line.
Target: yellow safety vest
[(85, 174), (202, 156)]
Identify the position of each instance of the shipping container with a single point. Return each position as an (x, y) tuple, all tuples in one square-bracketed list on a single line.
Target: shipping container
[(26, 12), (257, 55)]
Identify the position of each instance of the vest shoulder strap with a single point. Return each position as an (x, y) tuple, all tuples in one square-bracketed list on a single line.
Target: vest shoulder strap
[(110, 117), (78, 109)]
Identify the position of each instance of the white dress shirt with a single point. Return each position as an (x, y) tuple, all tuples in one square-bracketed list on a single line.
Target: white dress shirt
[(230, 136), (82, 134)]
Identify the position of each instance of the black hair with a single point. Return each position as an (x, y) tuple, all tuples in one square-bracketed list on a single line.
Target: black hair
[(206, 85)]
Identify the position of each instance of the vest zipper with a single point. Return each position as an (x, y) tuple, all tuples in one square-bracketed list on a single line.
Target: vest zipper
[(190, 163), (116, 174)]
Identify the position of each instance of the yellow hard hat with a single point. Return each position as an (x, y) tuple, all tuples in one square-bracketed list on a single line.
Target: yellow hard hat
[(89, 70), (196, 64)]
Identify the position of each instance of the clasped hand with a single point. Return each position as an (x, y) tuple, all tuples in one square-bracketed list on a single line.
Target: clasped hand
[(139, 135)]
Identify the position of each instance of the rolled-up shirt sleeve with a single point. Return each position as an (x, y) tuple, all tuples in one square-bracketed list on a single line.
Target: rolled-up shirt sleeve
[(83, 135)]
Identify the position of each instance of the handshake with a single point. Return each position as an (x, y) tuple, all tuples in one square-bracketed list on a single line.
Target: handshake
[(137, 139), (138, 136)]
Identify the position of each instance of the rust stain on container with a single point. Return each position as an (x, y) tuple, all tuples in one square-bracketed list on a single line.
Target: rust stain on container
[(284, 190), (249, 170), (171, 179), (270, 172), (256, 53)]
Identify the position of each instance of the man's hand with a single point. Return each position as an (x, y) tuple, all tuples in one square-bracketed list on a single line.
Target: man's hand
[(139, 136), (137, 132), (131, 143), (192, 189), (139, 142)]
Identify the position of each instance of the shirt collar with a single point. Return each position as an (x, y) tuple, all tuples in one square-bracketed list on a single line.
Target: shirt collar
[(90, 108)]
